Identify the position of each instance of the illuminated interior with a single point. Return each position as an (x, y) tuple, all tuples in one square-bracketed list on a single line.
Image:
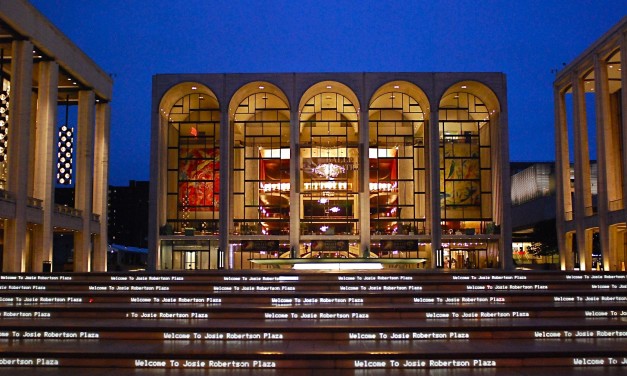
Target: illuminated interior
[(310, 178)]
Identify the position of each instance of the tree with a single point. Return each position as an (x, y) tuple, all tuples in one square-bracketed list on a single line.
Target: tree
[(544, 242)]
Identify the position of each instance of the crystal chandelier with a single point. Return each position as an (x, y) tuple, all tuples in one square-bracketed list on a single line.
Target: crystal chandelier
[(329, 170)]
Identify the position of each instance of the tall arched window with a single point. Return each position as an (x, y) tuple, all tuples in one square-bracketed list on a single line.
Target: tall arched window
[(329, 161), (397, 183), (193, 157), (261, 147), (465, 161)]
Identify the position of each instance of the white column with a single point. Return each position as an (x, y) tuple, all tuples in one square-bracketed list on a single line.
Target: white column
[(364, 180), (604, 155), (15, 245), (101, 186), (158, 187), (84, 179), (501, 188), (45, 152), (433, 173), (226, 176), (583, 198), (294, 180), (562, 175), (623, 78)]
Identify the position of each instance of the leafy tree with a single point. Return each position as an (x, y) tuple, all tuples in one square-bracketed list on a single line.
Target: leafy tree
[(545, 240)]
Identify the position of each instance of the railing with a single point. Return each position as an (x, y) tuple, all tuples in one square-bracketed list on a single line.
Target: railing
[(34, 202), (6, 196), (568, 216), (615, 205), (67, 210)]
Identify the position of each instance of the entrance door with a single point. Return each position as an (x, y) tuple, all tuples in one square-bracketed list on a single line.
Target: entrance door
[(185, 260)]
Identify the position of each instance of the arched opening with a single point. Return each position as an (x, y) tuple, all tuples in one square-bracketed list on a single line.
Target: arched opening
[(329, 170), (468, 113), (397, 169), (191, 114), (261, 172)]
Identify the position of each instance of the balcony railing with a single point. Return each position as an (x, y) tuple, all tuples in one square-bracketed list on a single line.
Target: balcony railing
[(6, 196), (568, 216), (67, 210), (615, 205), (34, 202)]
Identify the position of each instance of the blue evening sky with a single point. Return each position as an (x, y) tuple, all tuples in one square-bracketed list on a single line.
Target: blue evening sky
[(135, 39)]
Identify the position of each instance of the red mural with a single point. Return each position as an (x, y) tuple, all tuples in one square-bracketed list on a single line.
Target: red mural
[(199, 179)]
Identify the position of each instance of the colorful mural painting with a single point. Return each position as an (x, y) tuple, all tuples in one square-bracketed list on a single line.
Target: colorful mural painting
[(199, 178), (461, 175)]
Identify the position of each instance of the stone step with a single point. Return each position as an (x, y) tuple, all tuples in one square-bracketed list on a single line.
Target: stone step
[(317, 312), (372, 330), (493, 353), (287, 323)]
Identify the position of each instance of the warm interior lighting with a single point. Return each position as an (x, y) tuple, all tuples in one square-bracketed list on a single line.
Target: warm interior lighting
[(338, 266), (329, 170), (64, 155)]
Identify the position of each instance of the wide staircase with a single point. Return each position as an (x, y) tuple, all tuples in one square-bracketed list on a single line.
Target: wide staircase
[(314, 323)]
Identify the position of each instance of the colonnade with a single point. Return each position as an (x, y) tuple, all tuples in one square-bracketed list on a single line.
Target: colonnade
[(42, 67), (599, 73)]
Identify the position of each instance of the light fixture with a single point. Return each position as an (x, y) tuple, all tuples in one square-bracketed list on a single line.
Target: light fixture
[(261, 87), (396, 87), (334, 209), (4, 111), (329, 170), (464, 86), (65, 148), (323, 200), (329, 86), (324, 228)]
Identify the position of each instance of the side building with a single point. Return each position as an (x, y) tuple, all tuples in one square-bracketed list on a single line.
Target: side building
[(40, 70), (288, 166), (128, 214), (591, 118)]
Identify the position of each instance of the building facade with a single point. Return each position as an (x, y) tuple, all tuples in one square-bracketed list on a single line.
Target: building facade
[(329, 165), (590, 118), (128, 214), (41, 69)]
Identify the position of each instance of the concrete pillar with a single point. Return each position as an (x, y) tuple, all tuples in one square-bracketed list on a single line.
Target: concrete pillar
[(101, 184), (583, 197), (605, 156), (562, 174), (84, 180), (364, 180), (158, 186), (226, 177), (623, 78), (294, 179), (45, 159), (433, 173), (15, 242), (501, 187)]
